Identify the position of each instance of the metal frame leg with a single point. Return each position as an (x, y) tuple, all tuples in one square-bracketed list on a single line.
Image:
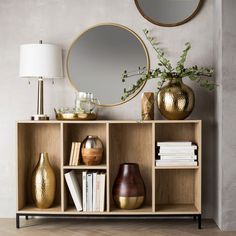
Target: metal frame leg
[(199, 221), (26, 217), (17, 221)]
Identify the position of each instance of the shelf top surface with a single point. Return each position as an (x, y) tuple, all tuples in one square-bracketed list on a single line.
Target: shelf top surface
[(107, 121)]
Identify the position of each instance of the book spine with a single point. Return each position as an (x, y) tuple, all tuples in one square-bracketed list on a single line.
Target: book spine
[(167, 144), (102, 192), (177, 157), (89, 192), (71, 153), (84, 183), (74, 189), (77, 153), (94, 190), (98, 192)]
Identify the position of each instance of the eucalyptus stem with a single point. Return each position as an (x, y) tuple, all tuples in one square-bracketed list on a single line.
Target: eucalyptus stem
[(165, 72)]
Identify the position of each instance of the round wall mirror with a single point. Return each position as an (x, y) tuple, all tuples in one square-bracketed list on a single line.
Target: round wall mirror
[(99, 56), (168, 12)]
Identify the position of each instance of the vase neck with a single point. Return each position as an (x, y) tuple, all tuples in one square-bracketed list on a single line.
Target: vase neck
[(128, 168), (43, 158), (175, 80)]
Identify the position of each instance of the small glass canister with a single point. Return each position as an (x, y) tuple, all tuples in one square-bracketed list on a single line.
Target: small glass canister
[(85, 103)]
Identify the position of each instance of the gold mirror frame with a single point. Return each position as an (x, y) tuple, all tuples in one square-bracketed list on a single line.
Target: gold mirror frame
[(173, 24), (133, 33)]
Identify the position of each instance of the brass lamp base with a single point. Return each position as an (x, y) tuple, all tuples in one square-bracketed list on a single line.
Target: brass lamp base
[(39, 117)]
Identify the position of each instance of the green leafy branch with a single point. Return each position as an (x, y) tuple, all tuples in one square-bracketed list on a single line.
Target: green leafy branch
[(165, 71)]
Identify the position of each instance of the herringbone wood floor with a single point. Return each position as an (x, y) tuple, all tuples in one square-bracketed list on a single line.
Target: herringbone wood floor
[(84, 227)]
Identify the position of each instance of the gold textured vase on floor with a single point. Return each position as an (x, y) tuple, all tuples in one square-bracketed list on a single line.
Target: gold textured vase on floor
[(175, 101), (43, 183)]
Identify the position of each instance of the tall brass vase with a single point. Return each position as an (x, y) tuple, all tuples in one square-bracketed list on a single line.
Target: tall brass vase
[(43, 183), (175, 101)]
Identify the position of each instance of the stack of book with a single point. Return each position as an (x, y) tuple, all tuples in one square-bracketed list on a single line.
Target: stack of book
[(75, 154), (176, 154), (91, 197)]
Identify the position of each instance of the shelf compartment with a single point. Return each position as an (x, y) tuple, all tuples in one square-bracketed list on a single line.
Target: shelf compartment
[(186, 131), (77, 132), (34, 138), (68, 204), (177, 209), (131, 143), (177, 191)]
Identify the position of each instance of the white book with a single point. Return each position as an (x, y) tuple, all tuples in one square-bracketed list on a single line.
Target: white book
[(84, 183), (74, 188), (172, 163), (102, 191), (98, 192), (89, 195), (77, 152), (167, 144), (176, 154), (72, 153), (177, 148), (94, 190), (179, 158)]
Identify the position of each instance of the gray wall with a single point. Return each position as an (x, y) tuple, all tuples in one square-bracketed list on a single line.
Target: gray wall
[(225, 48), (60, 21)]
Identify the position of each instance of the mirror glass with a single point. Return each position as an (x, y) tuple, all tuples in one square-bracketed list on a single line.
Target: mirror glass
[(98, 57), (168, 12)]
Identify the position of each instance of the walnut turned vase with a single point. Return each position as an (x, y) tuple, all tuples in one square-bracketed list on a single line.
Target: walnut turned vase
[(175, 101), (43, 183), (129, 189), (92, 150)]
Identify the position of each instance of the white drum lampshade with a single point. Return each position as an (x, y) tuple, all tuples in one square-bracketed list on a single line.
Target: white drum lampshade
[(40, 61)]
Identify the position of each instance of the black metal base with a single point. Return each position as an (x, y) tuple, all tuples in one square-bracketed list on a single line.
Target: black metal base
[(18, 215)]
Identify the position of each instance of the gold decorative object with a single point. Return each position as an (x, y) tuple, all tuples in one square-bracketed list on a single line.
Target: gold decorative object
[(92, 150), (43, 183), (147, 106), (75, 116), (175, 100), (129, 203)]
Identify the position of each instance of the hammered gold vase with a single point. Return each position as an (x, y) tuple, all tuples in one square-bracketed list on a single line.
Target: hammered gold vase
[(175, 101), (43, 183)]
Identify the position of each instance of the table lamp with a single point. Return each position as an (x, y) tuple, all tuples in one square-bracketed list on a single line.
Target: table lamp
[(40, 61)]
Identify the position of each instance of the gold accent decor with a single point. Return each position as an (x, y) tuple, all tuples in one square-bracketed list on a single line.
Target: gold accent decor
[(175, 100), (129, 203), (43, 183), (122, 27), (147, 106), (75, 116)]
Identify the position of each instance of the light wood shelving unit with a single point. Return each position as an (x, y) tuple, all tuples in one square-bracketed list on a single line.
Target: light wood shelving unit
[(170, 191)]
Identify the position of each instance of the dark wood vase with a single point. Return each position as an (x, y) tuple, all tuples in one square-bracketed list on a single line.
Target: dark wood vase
[(129, 189)]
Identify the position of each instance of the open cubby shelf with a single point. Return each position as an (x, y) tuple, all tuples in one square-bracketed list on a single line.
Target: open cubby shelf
[(169, 190)]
